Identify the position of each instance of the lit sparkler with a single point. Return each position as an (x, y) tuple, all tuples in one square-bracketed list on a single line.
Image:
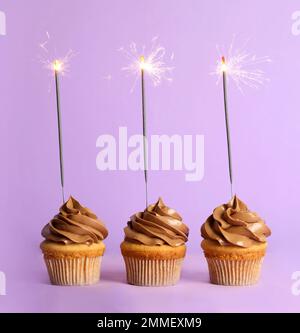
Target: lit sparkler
[(224, 70), (240, 67), (153, 62), (46, 58), (58, 67), (154, 66)]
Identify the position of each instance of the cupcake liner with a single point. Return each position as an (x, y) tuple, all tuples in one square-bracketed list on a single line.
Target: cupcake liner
[(74, 271), (149, 272), (234, 272)]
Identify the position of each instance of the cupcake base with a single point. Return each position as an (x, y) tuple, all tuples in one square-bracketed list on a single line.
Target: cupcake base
[(155, 273), (74, 264), (233, 266), (152, 265), (71, 272)]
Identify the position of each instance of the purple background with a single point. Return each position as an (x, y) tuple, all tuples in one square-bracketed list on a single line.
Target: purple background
[(265, 127)]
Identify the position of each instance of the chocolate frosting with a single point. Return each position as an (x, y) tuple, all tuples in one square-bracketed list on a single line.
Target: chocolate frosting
[(157, 225), (234, 224), (74, 224)]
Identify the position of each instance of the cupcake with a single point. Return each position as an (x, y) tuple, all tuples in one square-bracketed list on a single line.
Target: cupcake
[(154, 246), (234, 244), (73, 246)]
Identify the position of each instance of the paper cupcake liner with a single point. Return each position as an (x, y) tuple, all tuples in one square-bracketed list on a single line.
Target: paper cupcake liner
[(147, 272), (234, 272), (74, 271)]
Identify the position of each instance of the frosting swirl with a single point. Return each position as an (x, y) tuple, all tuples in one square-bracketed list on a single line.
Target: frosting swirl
[(234, 224), (157, 225), (74, 224)]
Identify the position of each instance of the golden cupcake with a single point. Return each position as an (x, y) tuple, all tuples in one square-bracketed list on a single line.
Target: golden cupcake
[(235, 243), (154, 246), (73, 246)]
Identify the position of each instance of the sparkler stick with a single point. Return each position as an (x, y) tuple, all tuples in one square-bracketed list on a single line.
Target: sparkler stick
[(240, 67), (224, 80), (155, 68), (57, 67), (145, 150)]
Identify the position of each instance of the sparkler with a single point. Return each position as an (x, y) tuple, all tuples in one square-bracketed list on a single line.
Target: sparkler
[(46, 58), (154, 66), (240, 67), (153, 62), (224, 80), (58, 67), (143, 67)]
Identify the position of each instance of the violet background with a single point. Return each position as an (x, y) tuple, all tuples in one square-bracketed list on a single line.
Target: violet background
[(265, 126)]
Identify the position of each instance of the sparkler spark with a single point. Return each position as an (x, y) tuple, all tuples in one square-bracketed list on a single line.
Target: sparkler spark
[(59, 64), (152, 63), (240, 67)]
